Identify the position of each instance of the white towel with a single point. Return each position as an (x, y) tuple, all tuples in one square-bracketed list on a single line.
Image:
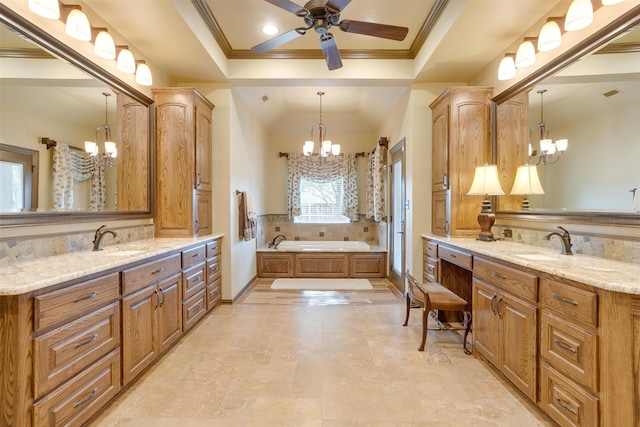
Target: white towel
[(636, 199), (251, 210)]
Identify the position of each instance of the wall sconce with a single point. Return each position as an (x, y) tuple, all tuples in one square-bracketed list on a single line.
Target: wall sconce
[(527, 183), (507, 68), (486, 183), (49, 9), (125, 62), (143, 74), (326, 147), (548, 147), (111, 151), (76, 23), (103, 44), (579, 15)]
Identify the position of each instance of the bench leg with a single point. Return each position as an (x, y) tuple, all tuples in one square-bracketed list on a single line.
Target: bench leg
[(467, 327), (425, 319), (406, 320)]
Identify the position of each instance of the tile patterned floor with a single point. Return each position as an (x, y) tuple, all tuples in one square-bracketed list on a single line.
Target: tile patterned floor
[(331, 359)]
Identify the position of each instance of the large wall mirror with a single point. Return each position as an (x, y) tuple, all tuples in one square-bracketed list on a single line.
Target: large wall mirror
[(53, 100), (591, 97)]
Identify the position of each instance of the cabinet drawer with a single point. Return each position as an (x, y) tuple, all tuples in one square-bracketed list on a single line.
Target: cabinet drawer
[(454, 256), (213, 268), (430, 249), (138, 277), (214, 296), (81, 397), (63, 304), (194, 309), (194, 281), (63, 352), (509, 279), (213, 248), (430, 266), (194, 256), (564, 401), (571, 350), (570, 302)]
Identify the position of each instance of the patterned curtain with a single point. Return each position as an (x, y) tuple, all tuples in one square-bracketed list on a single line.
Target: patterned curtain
[(375, 184), (62, 178), (90, 167), (323, 169)]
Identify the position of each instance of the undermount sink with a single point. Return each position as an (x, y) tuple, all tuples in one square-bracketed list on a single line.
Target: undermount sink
[(536, 257)]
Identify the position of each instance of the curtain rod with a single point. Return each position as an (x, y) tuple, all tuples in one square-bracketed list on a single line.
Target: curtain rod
[(51, 143)]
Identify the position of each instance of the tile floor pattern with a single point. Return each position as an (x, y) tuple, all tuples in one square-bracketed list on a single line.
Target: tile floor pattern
[(335, 359)]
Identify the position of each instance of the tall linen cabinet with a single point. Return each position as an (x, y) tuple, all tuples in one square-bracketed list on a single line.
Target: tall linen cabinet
[(461, 121), (183, 162)]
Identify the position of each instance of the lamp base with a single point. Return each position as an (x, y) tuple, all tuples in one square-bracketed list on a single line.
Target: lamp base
[(486, 221)]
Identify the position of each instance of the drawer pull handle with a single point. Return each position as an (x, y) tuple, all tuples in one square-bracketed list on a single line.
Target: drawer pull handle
[(564, 405), (89, 341), (493, 299), (498, 275), (195, 255), (564, 346), (452, 255), (568, 301), (157, 299), (86, 399), (430, 268), (160, 270), (498, 306), (162, 293), (86, 297), (197, 309)]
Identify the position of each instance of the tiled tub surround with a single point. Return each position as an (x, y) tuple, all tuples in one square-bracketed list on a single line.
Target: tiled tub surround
[(28, 276), (604, 247), (13, 251)]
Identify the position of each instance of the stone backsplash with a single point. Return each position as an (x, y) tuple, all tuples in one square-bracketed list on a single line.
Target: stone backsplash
[(604, 247), (13, 251)]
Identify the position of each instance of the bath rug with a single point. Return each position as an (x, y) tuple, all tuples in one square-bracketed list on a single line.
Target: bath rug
[(322, 284)]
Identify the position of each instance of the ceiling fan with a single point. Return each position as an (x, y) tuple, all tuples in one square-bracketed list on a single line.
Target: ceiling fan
[(322, 15)]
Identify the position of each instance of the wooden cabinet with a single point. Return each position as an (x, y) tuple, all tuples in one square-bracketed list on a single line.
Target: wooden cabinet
[(151, 313), (214, 274), (460, 142), (194, 278), (275, 264), (429, 261), (322, 264), (367, 265), (183, 162), (505, 321)]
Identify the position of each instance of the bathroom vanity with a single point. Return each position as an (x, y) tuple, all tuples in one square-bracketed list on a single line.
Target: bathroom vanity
[(565, 330), (77, 328)]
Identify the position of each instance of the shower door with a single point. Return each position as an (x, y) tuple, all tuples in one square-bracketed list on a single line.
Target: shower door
[(397, 223)]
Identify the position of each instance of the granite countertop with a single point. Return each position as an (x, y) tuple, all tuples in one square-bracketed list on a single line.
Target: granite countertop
[(598, 272), (29, 276)]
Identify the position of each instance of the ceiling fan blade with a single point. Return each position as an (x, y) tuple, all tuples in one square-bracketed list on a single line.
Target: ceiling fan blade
[(330, 51), (278, 40), (376, 30), (338, 4), (286, 5)]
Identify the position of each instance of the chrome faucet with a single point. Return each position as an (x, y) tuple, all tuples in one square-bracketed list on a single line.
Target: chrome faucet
[(97, 238), (273, 243), (566, 240)]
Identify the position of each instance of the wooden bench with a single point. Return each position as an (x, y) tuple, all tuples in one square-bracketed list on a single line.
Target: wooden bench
[(434, 296)]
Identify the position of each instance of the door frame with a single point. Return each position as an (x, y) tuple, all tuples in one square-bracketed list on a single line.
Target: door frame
[(397, 153)]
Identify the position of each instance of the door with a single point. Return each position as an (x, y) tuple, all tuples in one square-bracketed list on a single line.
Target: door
[(485, 321), (397, 221), (169, 311), (139, 318)]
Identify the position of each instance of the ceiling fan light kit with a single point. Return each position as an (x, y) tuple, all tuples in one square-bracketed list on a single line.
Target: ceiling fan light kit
[(321, 16)]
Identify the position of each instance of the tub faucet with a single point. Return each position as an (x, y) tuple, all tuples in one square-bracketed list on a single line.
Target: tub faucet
[(97, 238), (273, 243), (566, 240)]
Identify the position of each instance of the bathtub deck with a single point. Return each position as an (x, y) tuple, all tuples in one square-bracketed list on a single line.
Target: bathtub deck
[(322, 264)]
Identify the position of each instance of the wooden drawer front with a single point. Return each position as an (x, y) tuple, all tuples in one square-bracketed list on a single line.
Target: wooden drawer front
[(193, 256), (565, 402), (143, 275), (194, 281), (454, 256), (275, 265), (570, 302), (194, 309), (81, 397), (213, 248), (214, 296), (321, 265), (430, 249), (430, 265), (213, 268), (509, 279), (63, 304), (571, 350), (63, 352), (369, 265)]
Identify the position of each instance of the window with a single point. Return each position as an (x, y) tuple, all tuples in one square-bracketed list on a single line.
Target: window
[(18, 179), (321, 202)]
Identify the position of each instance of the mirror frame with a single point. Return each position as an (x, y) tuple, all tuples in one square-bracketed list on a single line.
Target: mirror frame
[(64, 52), (616, 28)]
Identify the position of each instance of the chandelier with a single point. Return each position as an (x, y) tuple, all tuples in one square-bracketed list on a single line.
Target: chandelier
[(110, 149), (324, 145), (549, 149)]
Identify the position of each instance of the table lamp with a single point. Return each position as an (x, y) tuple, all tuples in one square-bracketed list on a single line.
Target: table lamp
[(526, 183), (486, 182)]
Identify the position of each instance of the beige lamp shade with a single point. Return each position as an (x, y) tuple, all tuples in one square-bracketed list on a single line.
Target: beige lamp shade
[(77, 25), (579, 15), (49, 9), (486, 181), (527, 181)]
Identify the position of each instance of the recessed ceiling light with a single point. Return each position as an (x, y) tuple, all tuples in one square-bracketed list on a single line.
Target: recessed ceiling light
[(270, 29)]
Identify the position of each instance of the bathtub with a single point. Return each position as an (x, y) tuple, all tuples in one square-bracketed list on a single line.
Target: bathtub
[(322, 259)]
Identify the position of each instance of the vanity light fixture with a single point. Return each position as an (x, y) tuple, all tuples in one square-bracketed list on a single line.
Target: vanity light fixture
[(507, 68), (103, 44), (325, 146), (77, 24), (486, 183), (550, 36), (527, 183), (125, 62), (111, 151), (526, 54), (49, 9), (579, 15), (143, 74), (548, 147)]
